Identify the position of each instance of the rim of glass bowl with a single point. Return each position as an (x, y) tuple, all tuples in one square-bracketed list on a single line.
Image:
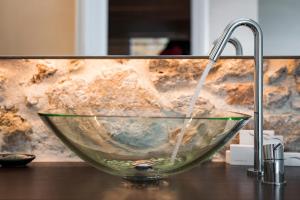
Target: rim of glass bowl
[(234, 117)]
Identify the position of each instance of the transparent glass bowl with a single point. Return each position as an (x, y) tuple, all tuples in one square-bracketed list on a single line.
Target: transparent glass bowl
[(140, 147)]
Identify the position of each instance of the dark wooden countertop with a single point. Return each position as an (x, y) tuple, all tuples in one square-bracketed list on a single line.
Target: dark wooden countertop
[(80, 181)]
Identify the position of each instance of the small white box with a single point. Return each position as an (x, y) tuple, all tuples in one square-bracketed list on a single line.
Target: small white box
[(291, 159), (241, 154), (227, 157)]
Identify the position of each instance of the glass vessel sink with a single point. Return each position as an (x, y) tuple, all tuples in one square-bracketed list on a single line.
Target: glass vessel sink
[(139, 147)]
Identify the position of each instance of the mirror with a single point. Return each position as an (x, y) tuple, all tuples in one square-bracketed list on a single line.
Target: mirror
[(134, 27)]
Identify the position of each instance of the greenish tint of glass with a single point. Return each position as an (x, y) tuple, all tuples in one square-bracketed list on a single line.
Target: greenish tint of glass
[(212, 118), (141, 146)]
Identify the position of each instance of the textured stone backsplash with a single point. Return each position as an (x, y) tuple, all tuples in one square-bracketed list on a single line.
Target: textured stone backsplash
[(31, 85)]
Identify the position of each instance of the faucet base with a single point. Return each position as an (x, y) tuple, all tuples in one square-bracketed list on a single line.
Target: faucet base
[(253, 172), (275, 183)]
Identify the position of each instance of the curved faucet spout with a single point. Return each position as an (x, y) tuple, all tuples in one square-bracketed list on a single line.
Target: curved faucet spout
[(237, 45), (258, 83)]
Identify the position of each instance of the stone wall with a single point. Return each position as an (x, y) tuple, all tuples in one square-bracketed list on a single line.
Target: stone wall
[(28, 86)]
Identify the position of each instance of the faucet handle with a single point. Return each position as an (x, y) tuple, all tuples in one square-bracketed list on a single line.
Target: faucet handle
[(273, 164), (273, 151)]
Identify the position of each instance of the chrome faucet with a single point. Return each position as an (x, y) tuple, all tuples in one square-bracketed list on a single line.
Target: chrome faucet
[(258, 84), (237, 45)]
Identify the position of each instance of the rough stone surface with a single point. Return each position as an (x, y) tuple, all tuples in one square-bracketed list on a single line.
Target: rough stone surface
[(43, 71), (295, 103), (297, 78), (14, 130), (121, 61), (75, 65), (276, 74), (173, 74), (31, 101), (231, 69), (276, 97), (290, 64), (298, 88), (132, 86), (2, 81), (239, 93), (297, 69), (2, 86), (181, 105), (121, 93)]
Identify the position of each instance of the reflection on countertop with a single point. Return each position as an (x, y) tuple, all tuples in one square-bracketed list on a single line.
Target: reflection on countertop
[(80, 181)]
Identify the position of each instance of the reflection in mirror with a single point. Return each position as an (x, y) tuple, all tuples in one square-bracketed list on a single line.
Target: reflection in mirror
[(149, 19), (147, 46)]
